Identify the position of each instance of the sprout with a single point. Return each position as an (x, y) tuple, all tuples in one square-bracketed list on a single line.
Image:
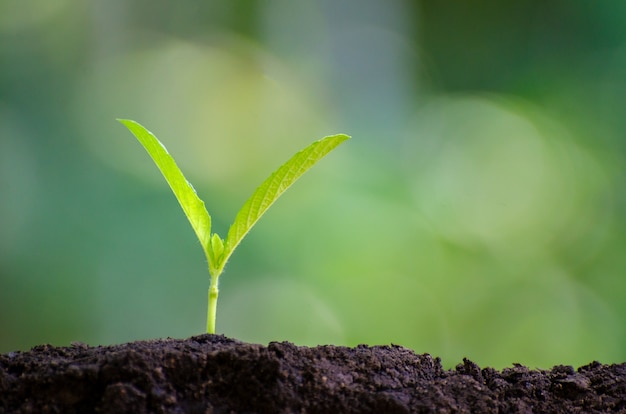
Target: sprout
[(216, 249)]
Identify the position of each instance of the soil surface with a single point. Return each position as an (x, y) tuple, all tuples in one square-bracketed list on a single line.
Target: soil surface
[(214, 374)]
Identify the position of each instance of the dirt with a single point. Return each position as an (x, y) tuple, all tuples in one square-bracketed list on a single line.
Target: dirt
[(214, 374)]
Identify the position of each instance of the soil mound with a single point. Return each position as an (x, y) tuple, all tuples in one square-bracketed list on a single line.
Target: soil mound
[(214, 374)]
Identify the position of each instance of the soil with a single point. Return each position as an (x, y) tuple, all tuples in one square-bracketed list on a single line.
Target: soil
[(214, 374)]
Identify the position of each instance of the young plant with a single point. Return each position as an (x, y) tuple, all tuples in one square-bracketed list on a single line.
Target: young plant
[(216, 249)]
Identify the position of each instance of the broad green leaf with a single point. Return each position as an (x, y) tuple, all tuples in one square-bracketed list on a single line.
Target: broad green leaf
[(185, 194), (273, 187)]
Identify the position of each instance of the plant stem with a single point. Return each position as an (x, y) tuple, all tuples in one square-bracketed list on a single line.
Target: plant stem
[(212, 310)]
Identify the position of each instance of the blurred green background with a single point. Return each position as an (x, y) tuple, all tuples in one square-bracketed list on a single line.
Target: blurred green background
[(479, 210)]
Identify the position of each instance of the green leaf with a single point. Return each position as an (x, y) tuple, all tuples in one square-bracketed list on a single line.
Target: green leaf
[(185, 194), (217, 250), (272, 188)]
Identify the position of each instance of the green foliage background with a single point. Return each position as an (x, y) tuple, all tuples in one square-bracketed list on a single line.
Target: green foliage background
[(478, 211)]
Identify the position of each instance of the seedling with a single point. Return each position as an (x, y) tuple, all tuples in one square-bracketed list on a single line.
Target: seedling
[(216, 249)]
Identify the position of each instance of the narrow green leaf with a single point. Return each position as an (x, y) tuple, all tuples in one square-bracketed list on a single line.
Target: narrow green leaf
[(273, 187), (185, 194)]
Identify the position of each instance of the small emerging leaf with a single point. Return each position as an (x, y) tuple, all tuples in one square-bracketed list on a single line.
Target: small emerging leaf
[(192, 205), (273, 187), (217, 250)]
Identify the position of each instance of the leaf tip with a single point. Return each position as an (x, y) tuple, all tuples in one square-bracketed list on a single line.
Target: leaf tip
[(125, 122), (340, 137)]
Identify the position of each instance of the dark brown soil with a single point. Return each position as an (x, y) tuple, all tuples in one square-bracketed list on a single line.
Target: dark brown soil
[(214, 374)]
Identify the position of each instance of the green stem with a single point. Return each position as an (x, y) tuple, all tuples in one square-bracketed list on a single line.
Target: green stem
[(212, 310)]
